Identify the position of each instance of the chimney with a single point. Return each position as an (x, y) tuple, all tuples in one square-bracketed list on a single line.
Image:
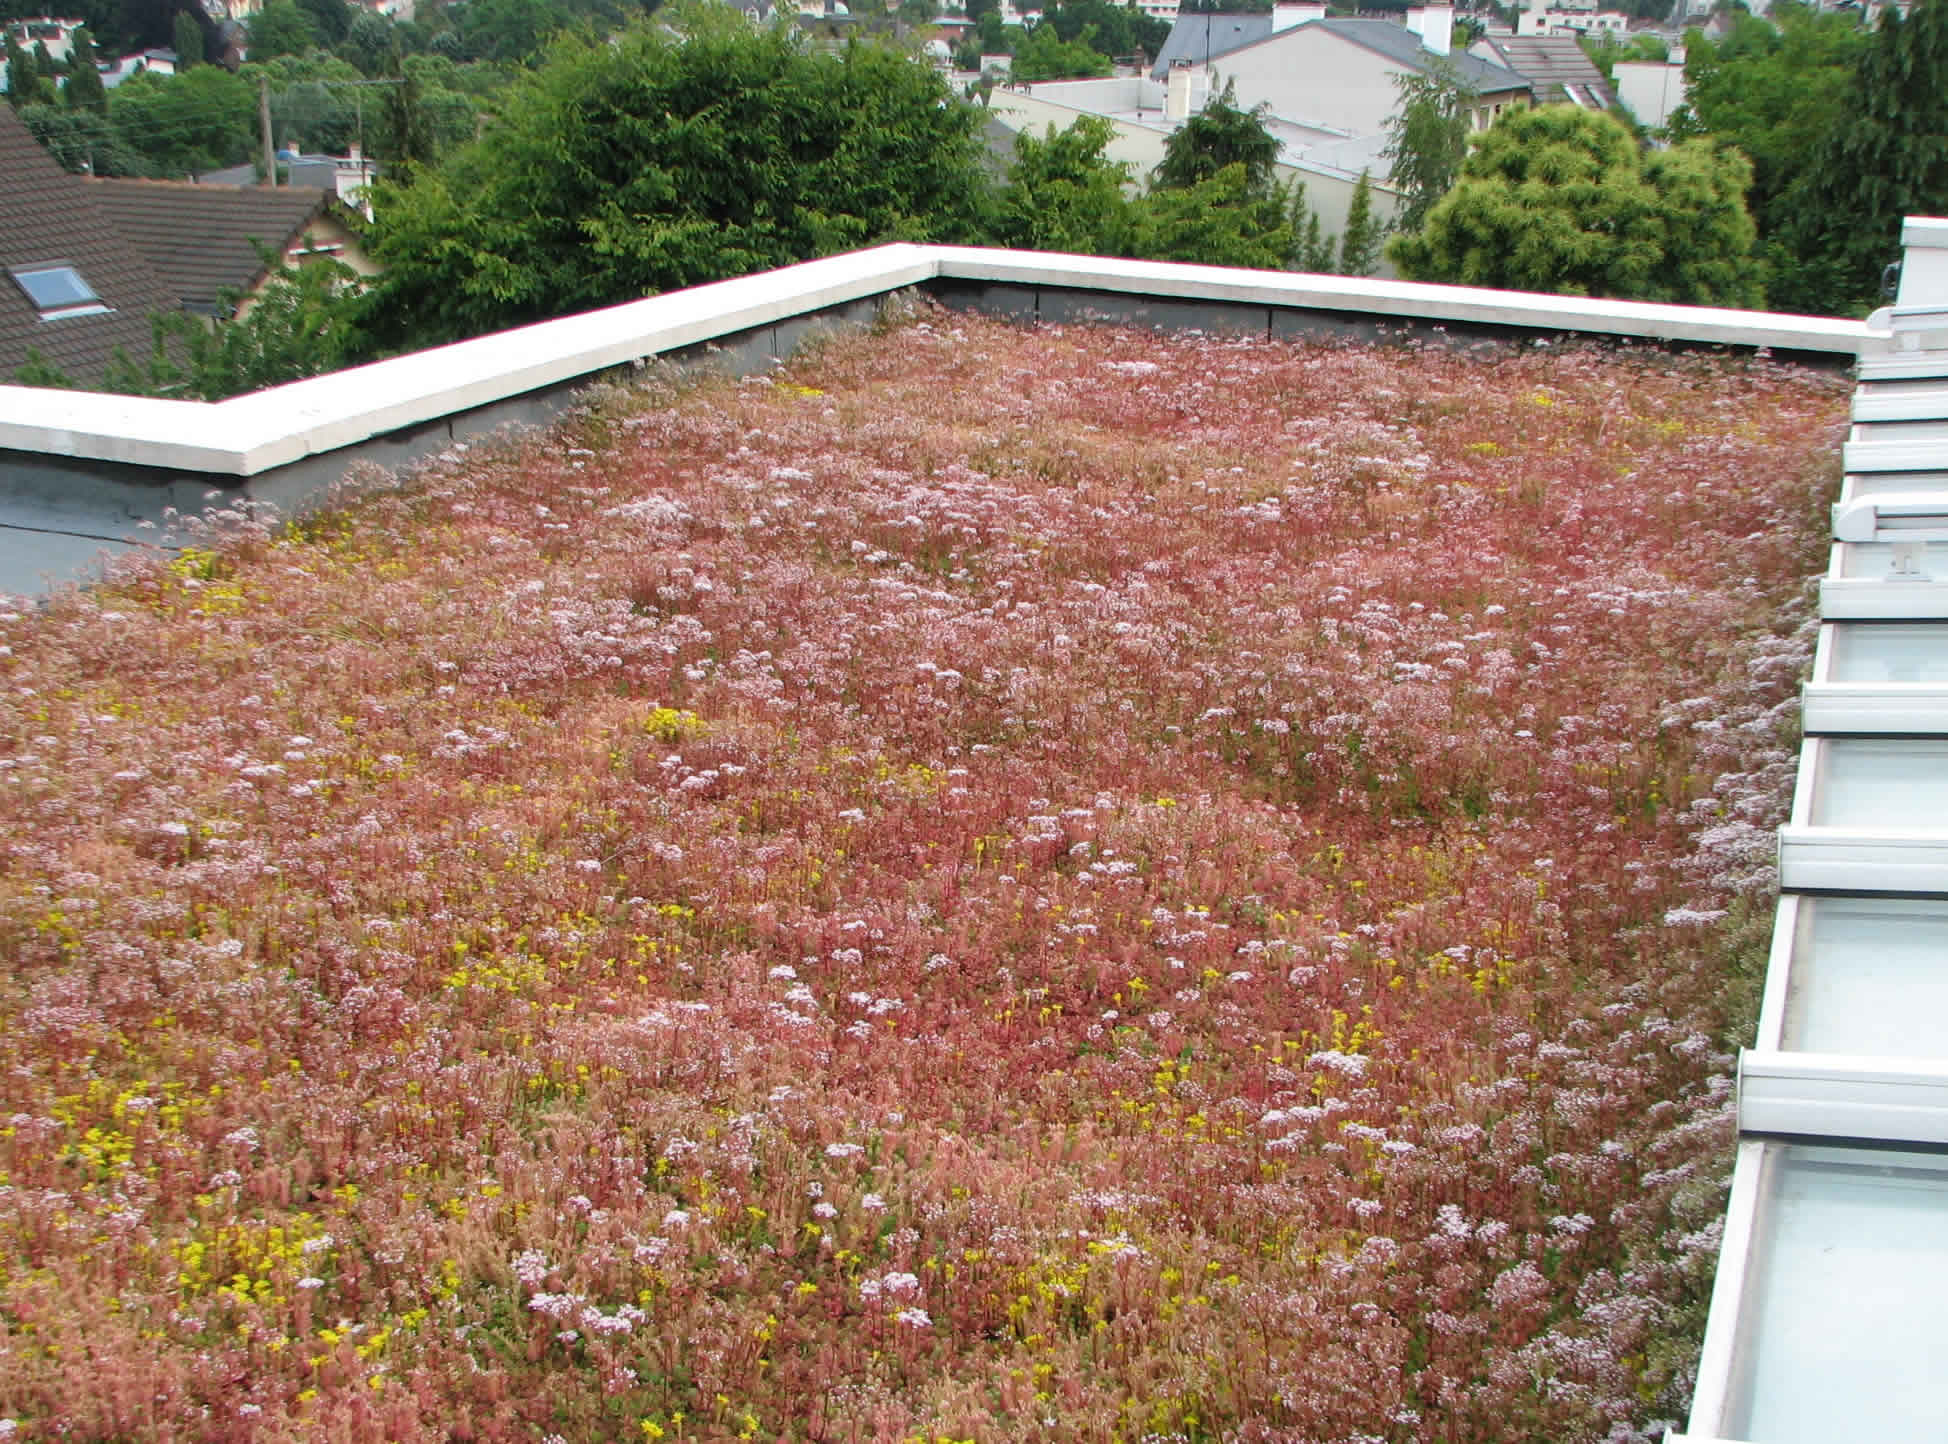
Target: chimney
[(1290, 14), (1176, 101), (1434, 24)]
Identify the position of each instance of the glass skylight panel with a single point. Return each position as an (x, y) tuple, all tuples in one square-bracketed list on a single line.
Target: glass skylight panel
[(1892, 652), (1901, 401), (1864, 785), (1879, 483), (1876, 559), (1850, 1304), (1869, 976), (58, 290)]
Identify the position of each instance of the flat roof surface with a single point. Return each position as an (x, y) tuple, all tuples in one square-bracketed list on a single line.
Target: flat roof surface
[(951, 884)]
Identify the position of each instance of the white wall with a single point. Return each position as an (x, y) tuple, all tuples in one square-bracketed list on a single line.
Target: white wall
[(1313, 75), (1328, 191), (1650, 88)]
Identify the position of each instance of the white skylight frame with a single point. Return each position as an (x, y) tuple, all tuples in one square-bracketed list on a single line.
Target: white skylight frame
[(1829, 1285), (1836, 704), (1885, 579), (1848, 1096), (45, 284)]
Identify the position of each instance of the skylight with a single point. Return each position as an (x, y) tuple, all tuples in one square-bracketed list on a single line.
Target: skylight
[(58, 291)]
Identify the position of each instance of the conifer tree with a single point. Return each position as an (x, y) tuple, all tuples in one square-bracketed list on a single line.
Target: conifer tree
[(84, 89), (1359, 243)]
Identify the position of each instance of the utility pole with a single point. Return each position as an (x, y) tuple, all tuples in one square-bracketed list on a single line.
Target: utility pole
[(264, 124)]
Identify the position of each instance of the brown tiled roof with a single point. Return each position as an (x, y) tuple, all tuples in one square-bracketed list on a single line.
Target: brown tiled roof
[(198, 237), (1551, 63), (52, 216)]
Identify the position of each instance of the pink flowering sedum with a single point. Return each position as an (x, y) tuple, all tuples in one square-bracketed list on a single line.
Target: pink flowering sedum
[(1000, 884)]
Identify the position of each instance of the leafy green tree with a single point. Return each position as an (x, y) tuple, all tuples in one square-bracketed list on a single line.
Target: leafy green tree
[(1117, 29), (1220, 221), (84, 90), (646, 162), (183, 124), (370, 40), (510, 31), (1884, 156), (1040, 55), (1427, 139), (25, 86), (189, 41), (331, 19), (405, 136), (1561, 199), (281, 28), (1774, 91), (1359, 243), (1065, 194), (83, 141), (1218, 136)]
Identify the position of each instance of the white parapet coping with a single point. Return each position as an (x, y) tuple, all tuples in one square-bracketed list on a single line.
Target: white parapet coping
[(1409, 300), (248, 435)]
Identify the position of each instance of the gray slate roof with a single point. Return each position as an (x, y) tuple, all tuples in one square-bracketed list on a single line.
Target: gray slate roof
[(1400, 44), (1196, 38), (52, 216)]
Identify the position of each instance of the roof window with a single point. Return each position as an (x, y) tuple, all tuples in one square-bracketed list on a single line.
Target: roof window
[(58, 290)]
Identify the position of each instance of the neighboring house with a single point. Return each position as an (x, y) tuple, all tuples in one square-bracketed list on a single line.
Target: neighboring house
[(56, 35), (1572, 22), (1142, 114), (1339, 74), (1555, 65), (1652, 89), (203, 240), (70, 288), (1194, 39), (162, 62), (344, 176)]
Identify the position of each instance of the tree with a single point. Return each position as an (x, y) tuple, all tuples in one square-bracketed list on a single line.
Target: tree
[(1359, 243), (1427, 138), (369, 41), (84, 88), (281, 28), (330, 19), (1774, 93), (405, 136), (1220, 221), (1561, 199), (1884, 156), (1065, 194), (190, 43), (184, 124), (1311, 250), (1218, 136), (646, 162), (25, 86), (1040, 55), (83, 141), (510, 31)]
